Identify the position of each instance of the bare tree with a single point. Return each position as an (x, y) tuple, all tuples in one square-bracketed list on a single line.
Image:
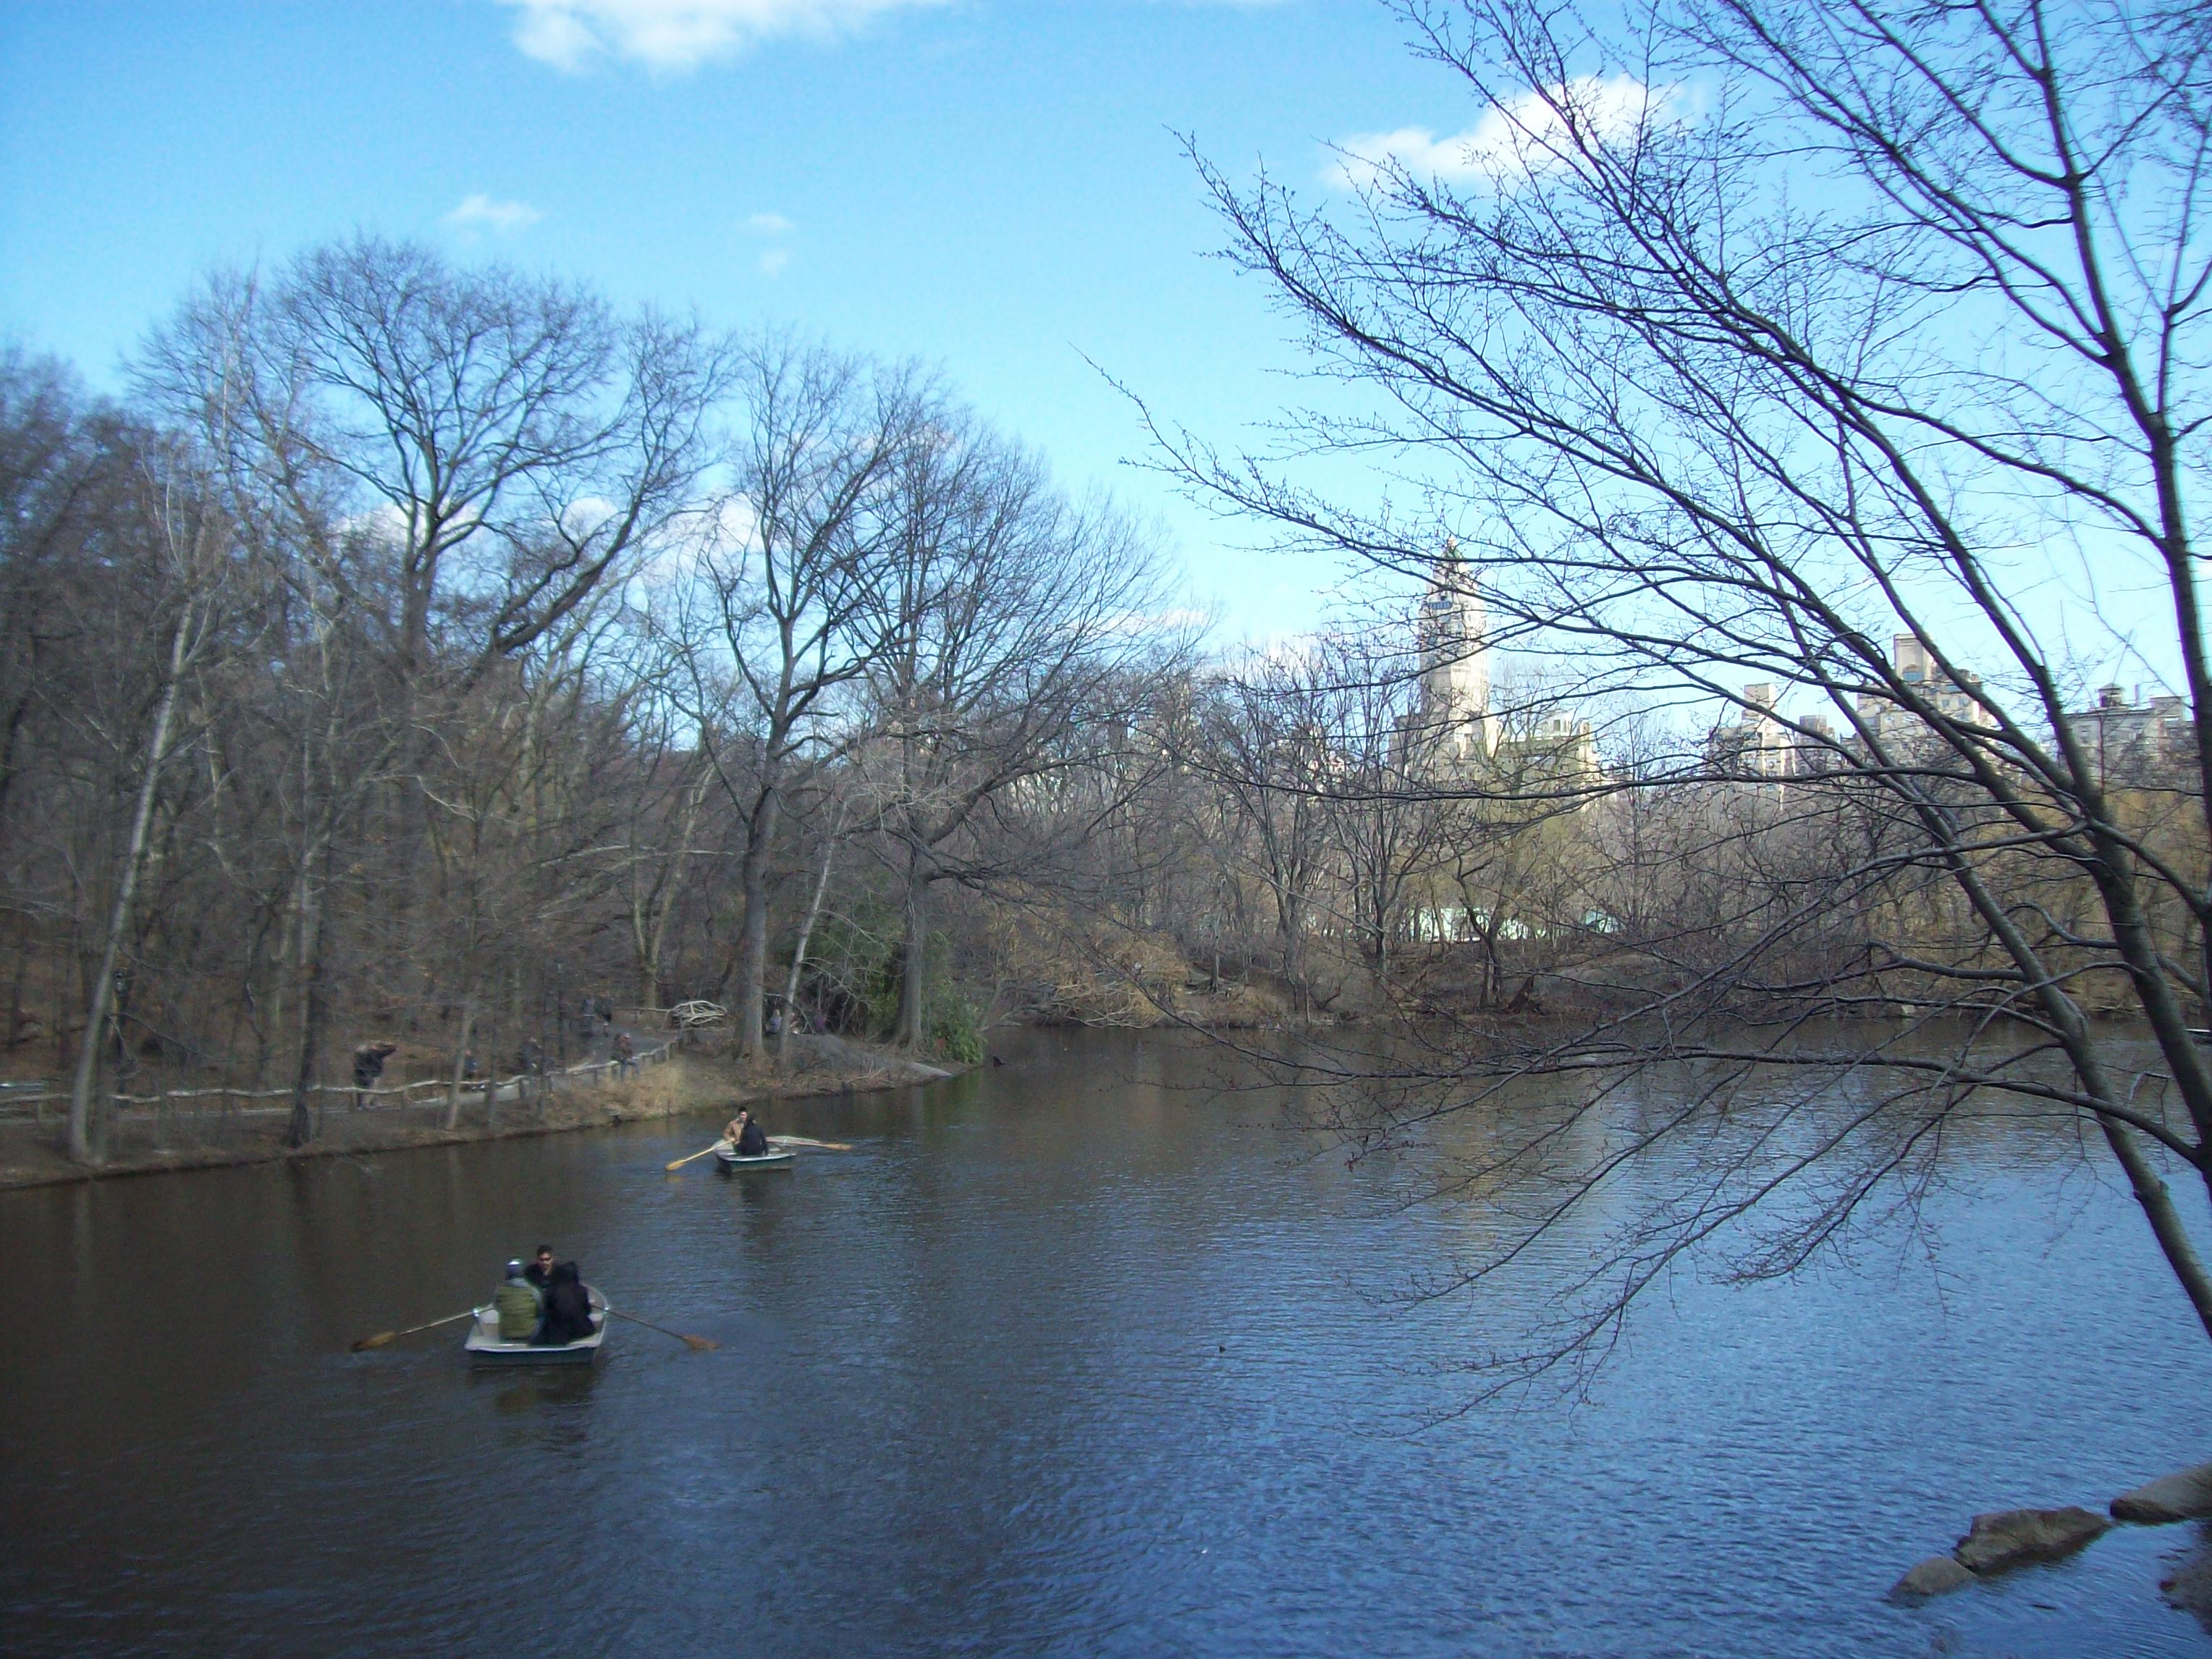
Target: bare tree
[(1738, 342), (371, 727), (193, 560), (1011, 619), (1265, 749), (779, 613), (514, 437), (1385, 817), (506, 441), (664, 804)]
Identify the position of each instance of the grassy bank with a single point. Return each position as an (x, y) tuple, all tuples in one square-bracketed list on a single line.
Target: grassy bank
[(33, 1155)]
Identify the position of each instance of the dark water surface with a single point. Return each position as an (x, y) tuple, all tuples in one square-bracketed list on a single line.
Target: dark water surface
[(1063, 1361)]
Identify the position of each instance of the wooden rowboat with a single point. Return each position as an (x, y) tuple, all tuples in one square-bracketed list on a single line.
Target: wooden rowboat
[(726, 1156), (484, 1345)]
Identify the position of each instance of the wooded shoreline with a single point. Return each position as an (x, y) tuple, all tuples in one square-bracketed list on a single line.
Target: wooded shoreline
[(689, 1084)]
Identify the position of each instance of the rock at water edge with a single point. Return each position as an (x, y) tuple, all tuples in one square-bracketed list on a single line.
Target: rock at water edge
[(2012, 1538), (2184, 1496), (1938, 1575), (2189, 1586)]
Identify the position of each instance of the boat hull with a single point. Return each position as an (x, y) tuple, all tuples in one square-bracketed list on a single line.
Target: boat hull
[(485, 1350), (732, 1162)]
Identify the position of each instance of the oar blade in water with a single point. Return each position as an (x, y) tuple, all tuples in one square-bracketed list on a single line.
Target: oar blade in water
[(696, 1344), (384, 1339), (678, 1164)]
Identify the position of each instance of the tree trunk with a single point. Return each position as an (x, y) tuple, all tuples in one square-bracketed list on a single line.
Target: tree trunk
[(752, 932), (460, 1064), (651, 914), (314, 1015), (799, 950), (1289, 923), (1493, 973), (913, 954), (87, 1138), (2166, 1222)]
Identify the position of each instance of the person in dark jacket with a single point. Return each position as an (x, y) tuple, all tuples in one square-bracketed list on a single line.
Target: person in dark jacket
[(540, 1271), (568, 1307), (368, 1066), (746, 1134)]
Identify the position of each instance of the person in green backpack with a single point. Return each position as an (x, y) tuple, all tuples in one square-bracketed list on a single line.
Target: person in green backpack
[(519, 1306)]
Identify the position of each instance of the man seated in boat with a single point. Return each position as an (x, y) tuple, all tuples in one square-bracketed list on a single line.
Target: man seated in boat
[(540, 1271), (567, 1308), (744, 1135), (519, 1305)]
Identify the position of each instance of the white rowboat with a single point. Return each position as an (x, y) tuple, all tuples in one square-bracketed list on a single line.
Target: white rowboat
[(484, 1345)]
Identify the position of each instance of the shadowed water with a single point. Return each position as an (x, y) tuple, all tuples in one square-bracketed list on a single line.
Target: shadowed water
[(1065, 1358)]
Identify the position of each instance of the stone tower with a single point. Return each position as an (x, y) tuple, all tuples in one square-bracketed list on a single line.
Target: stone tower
[(1455, 647)]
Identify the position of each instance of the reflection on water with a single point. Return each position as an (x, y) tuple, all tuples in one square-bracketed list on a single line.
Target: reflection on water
[(1067, 1358), (519, 1394)]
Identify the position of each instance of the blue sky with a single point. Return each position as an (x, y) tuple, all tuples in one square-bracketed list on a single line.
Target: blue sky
[(992, 185)]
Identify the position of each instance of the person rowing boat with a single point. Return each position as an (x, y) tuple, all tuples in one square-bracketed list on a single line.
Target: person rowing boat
[(746, 1136)]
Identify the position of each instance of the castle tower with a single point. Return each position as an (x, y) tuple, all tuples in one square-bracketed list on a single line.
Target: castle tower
[(1455, 647)]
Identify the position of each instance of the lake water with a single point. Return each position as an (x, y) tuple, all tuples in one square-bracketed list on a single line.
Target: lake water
[(1071, 1356)]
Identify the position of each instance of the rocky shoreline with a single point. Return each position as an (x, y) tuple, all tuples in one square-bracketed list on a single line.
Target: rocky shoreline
[(2003, 1539)]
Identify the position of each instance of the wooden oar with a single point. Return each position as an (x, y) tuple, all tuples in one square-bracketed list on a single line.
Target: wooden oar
[(384, 1338), (702, 1152), (696, 1344), (816, 1145)]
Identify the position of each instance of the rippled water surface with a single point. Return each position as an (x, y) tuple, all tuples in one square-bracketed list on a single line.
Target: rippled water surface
[(1065, 1358)]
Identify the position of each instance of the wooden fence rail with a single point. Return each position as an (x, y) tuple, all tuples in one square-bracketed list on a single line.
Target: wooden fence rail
[(405, 1094)]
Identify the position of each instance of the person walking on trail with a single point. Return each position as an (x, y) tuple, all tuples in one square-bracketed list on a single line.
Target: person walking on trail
[(368, 1066), (530, 1062), (519, 1306)]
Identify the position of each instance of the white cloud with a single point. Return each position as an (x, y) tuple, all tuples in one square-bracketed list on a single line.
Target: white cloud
[(1175, 618), (736, 523), (772, 263), (480, 212), (586, 514), (769, 224), (1524, 134), (674, 36)]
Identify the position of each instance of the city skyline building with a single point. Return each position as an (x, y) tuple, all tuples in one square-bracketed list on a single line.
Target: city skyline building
[(1454, 643)]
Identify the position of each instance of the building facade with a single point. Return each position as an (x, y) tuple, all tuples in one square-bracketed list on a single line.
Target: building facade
[(2137, 744), (1759, 746), (1893, 727), (1454, 643)]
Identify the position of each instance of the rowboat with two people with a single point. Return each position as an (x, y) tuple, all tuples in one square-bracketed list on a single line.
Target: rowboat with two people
[(545, 1316), (742, 1146), (745, 1146), (733, 1160)]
